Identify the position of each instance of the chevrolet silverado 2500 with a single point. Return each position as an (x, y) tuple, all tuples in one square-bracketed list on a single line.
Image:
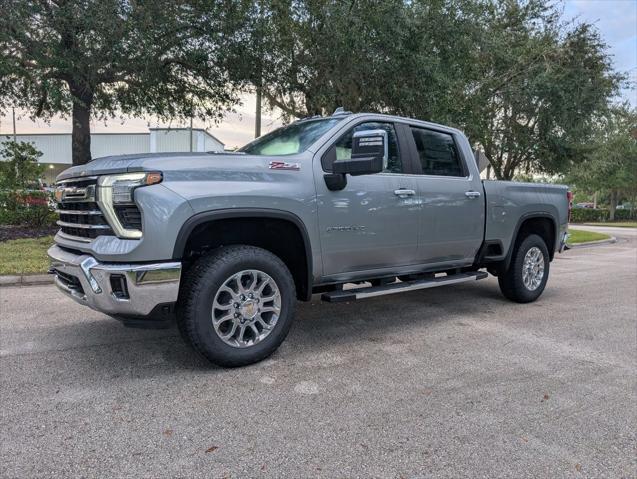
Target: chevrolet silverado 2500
[(227, 242)]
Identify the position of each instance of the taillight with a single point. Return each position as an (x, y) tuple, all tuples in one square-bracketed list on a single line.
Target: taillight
[(569, 197)]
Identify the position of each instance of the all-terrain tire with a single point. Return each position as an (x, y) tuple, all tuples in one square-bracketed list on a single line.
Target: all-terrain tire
[(512, 282), (197, 293)]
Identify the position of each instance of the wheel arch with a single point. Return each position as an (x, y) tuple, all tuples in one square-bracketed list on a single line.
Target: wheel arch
[(296, 252), (543, 224)]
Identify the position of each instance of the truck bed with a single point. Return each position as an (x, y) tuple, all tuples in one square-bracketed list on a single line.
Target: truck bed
[(509, 203)]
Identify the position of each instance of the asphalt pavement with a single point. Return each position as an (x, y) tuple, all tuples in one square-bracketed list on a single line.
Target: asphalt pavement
[(446, 382)]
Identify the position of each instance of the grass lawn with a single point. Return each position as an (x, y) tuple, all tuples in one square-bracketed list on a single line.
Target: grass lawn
[(581, 236), (618, 224), (25, 256)]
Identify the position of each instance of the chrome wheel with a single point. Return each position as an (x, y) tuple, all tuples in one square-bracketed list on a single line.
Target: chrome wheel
[(246, 308), (533, 268)]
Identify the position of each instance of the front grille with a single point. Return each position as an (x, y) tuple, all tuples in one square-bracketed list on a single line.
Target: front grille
[(130, 217), (80, 216)]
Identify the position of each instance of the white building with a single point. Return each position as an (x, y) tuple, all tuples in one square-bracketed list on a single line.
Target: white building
[(56, 147)]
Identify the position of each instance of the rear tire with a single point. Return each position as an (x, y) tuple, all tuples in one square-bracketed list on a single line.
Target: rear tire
[(236, 305), (525, 279)]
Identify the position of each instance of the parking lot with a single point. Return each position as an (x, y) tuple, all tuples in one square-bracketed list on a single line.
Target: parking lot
[(443, 382)]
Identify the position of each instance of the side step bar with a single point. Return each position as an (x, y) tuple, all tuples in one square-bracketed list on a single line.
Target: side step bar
[(370, 292)]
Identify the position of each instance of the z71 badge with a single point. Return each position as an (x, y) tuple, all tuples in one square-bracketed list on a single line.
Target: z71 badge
[(282, 165)]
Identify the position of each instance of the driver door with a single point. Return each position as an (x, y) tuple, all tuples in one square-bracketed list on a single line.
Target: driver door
[(373, 222)]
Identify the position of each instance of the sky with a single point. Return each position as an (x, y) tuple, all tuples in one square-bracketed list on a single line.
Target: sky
[(615, 19)]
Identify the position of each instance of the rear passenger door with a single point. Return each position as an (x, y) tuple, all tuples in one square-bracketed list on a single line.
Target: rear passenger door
[(452, 216)]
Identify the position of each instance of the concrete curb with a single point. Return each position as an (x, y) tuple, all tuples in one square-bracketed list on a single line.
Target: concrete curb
[(610, 240), (26, 280)]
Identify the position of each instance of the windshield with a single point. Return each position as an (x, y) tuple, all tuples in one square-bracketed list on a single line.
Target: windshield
[(290, 139)]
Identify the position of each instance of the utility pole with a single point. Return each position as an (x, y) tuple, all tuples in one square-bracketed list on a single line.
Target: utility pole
[(257, 120), (259, 67), (190, 131), (14, 134)]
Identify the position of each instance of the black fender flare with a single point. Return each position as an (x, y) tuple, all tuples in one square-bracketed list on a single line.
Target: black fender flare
[(206, 216), (516, 231)]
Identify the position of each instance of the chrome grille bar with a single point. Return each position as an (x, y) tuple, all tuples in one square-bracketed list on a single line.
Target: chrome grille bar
[(83, 225), (78, 212)]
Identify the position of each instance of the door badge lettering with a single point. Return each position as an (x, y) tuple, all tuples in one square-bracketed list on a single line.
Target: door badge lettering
[(284, 165)]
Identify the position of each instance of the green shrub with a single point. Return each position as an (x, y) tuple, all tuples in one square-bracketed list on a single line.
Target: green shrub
[(28, 208), (19, 168), (588, 215), (21, 201), (625, 215), (600, 215)]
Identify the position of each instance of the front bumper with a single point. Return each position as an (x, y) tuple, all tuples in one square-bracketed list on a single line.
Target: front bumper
[(89, 282)]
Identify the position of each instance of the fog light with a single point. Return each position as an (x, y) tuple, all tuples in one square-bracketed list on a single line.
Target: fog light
[(119, 286)]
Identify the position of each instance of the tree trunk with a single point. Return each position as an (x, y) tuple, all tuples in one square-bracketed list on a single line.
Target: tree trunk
[(614, 196), (81, 134), (507, 172)]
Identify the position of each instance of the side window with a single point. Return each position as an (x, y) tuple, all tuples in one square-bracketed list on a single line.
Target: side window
[(342, 149), (437, 152)]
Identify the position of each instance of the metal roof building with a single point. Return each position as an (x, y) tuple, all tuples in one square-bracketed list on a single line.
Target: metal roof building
[(56, 147)]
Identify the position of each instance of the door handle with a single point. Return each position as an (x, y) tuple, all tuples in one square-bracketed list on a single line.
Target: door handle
[(472, 194), (404, 192)]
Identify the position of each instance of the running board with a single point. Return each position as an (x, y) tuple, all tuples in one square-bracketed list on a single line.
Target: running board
[(370, 292)]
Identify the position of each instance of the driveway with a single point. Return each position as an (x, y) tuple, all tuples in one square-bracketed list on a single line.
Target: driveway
[(445, 382)]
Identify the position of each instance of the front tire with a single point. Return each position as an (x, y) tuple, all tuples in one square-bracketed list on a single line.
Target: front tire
[(525, 279), (237, 305)]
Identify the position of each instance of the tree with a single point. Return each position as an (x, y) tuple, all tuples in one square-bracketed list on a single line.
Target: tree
[(523, 85), (19, 167), (541, 84), (99, 58), (610, 164), (318, 55)]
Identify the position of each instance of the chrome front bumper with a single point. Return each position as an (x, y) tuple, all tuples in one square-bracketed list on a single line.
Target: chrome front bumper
[(87, 281)]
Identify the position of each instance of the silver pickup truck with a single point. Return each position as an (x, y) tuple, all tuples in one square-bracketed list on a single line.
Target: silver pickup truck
[(350, 206)]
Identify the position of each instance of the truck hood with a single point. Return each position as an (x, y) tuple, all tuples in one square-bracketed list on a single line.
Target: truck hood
[(165, 162)]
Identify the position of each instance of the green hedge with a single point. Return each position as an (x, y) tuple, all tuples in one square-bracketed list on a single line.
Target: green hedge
[(28, 208), (599, 215), (588, 215), (625, 215)]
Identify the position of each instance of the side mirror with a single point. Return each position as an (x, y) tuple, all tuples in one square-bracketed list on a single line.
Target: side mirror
[(369, 154)]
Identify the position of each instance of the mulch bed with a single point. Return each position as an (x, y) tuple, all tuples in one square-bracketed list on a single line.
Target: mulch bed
[(10, 232)]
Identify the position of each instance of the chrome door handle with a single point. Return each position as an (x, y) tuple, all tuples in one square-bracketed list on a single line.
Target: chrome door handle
[(404, 192), (472, 194)]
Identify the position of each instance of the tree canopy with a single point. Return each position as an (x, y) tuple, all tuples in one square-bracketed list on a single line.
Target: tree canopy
[(524, 85), (610, 163), (540, 87), (99, 58)]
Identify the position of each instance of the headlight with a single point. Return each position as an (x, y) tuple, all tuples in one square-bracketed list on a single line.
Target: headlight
[(118, 190)]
